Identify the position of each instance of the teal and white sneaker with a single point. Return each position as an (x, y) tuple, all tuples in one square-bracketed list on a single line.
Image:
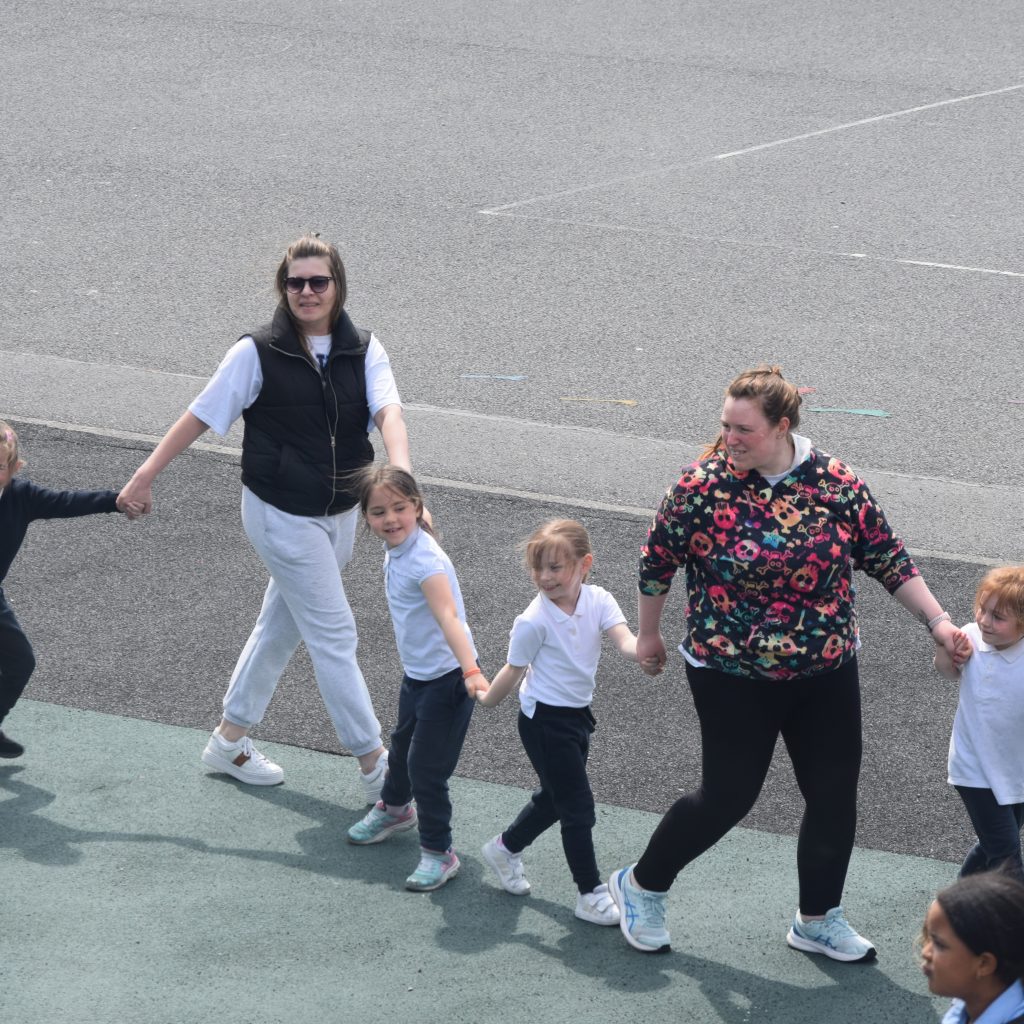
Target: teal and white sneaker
[(833, 937), (641, 912), (433, 870), (378, 825)]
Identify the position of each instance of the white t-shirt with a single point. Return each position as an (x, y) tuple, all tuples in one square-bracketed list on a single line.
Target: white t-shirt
[(562, 651), (422, 647), (986, 750), (237, 381), (801, 451)]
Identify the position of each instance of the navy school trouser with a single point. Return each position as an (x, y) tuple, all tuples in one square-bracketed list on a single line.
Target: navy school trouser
[(998, 829), (557, 742), (433, 718), (17, 662), (741, 719)]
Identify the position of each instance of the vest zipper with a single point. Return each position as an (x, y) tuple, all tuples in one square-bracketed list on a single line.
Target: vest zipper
[(333, 432), (327, 416)]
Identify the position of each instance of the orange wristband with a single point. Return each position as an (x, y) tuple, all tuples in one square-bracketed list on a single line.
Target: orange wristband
[(477, 671)]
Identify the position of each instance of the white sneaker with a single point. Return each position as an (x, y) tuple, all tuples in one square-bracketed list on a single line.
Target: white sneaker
[(597, 907), (242, 761), (507, 866), (373, 781)]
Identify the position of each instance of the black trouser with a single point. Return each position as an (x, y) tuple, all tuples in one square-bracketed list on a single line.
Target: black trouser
[(557, 742), (433, 717), (741, 718), (998, 828), (17, 662)]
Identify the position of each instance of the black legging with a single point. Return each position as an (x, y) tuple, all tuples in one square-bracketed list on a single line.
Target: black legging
[(740, 720)]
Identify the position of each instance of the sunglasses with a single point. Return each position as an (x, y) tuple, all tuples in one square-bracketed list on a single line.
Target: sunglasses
[(318, 284)]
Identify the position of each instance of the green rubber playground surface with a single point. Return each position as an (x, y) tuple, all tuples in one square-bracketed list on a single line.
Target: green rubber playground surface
[(138, 887)]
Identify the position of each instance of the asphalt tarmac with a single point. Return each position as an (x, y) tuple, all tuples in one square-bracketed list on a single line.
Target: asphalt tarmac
[(146, 619), (570, 226), (144, 888)]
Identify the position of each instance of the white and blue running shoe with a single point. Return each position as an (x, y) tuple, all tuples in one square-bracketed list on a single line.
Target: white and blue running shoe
[(641, 912), (832, 937)]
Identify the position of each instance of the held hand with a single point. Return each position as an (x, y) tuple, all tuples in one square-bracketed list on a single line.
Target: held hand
[(945, 634), (132, 509), (138, 495), (652, 666), (650, 653), (477, 685), (962, 649)]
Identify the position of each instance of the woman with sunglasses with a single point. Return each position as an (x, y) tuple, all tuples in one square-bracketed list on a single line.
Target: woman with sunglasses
[(310, 387)]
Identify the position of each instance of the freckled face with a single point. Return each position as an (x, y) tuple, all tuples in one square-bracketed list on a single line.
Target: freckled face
[(312, 311), (391, 516), (949, 965), (752, 441), (997, 628)]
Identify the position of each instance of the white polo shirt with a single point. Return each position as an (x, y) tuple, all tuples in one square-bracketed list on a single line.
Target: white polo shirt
[(237, 382), (422, 647), (562, 651), (986, 750)]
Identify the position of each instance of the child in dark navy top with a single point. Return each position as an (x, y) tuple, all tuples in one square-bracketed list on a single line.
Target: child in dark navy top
[(441, 676), (22, 501)]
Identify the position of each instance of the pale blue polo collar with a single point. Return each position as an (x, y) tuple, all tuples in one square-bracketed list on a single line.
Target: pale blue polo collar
[(406, 544)]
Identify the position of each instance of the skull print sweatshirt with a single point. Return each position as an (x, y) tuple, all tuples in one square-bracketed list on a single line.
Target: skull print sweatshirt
[(769, 569)]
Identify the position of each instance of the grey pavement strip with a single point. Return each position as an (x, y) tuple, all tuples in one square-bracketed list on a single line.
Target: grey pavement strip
[(579, 466)]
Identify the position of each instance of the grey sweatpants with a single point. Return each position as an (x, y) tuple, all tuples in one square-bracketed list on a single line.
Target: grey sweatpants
[(305, 600)]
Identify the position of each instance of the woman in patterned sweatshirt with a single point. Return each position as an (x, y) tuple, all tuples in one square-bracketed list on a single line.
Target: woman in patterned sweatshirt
[(769, 530)]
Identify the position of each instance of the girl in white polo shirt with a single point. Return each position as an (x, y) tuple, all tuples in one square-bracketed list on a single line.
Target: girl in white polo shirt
[(986, 750), (441, 676), (554, 649)]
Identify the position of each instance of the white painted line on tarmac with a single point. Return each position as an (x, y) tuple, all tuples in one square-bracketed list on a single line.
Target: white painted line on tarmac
[(929, 263), (870, 120), (670, 168), (498, 211), (597, 225)]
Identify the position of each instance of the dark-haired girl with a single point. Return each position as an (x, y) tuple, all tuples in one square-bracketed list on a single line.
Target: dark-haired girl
[(973, 949), (440, 676)]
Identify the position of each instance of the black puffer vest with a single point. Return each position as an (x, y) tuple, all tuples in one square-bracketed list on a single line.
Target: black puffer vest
[(306, 431)]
